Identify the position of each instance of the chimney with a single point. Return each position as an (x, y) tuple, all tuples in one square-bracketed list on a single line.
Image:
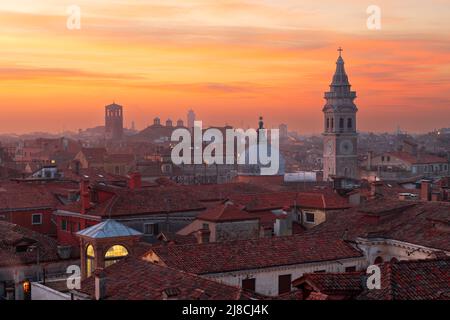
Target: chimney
[(135, 180), (203, 235), (100, 284), (375, 188), (283, 225), (425, 190), (84, 196), (369, 160), (435, 196)]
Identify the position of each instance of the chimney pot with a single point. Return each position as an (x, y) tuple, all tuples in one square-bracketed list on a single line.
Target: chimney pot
[(84, 196)]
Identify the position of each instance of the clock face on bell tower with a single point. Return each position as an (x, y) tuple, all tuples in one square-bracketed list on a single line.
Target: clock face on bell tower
[(340, 135)]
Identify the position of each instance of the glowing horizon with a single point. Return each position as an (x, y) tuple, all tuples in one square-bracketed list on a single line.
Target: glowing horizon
[(230, 61)]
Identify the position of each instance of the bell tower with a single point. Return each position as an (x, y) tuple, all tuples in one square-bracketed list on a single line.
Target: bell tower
[(340, 135)]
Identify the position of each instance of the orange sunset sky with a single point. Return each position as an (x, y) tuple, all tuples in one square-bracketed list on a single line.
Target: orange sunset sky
[(229, 60)]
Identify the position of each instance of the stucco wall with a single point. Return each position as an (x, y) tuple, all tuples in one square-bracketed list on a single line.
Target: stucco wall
[(267, 279)]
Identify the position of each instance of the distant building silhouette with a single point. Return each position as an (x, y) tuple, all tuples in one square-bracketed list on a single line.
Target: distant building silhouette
[(283, 131), (190, 118), (113, 122)]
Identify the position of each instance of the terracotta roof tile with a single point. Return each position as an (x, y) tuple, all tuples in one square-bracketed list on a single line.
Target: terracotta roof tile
[(136, 279), (413, 280), (226, 212), (12, 235), (253, 254)]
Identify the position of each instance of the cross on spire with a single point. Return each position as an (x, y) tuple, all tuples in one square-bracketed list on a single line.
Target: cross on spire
[(340, 51)]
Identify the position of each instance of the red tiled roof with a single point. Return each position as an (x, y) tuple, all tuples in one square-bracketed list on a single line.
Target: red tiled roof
[(12, 235), (126, 202), (225, 212), (95, 155), (413, 280), (419, 159), (136, 279), (217, 192), (277, 200), (93, 174), (252, 254), (125, 158), (333, 284), (421, 223), (14, 195)]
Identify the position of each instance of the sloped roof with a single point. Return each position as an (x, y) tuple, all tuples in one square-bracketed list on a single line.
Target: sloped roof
[(108, 229), (253, 254), (419, 159), (226, 212), (12, 235), (413, 280), (420, 223), (275, 200), (15, 196), (136, 279), (347, 284)]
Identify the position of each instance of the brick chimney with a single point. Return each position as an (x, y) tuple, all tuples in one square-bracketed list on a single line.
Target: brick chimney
[(85, 197), (425, 190), (203, 235), (100, 284), (135, 180)]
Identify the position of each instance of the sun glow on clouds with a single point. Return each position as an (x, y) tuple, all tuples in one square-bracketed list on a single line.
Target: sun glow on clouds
[(229, 60)]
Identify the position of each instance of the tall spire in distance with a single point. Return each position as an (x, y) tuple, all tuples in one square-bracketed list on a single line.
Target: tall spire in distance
[(340, 78)]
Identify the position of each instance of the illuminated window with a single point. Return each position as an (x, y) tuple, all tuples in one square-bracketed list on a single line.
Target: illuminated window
[(90, 255), (114, 254)]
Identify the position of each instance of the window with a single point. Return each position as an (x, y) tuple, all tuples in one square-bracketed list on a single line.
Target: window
[(249, 284), (151, 229), (36, 218), (388, 158), (341, 123), (284, 283), (332, 123), (349, 123), (378, 260), (114, 254), (328, 123), (64, 225), (350, 269), (309, 216), (90, 255), (382, 158)]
